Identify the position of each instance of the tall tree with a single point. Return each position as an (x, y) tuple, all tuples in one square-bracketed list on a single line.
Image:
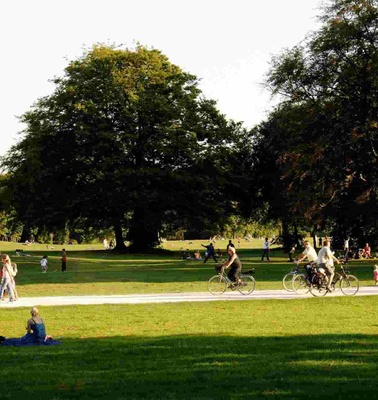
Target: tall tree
[(329, 115), (125, 138)]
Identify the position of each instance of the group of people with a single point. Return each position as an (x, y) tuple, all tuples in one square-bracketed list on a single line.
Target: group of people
[(44, 262), (209, 253), (325, 259)]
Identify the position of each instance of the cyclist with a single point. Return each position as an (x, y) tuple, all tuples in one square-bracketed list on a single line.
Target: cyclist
[(234, 264), (325, 260), (310, 253)]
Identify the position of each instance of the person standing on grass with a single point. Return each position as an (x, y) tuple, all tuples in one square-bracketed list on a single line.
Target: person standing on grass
[(43, 263), (14, 273), (375, 276), (265, 252), (64, 260), (6, 282), (229, 244), (346, 247), (210, 252)]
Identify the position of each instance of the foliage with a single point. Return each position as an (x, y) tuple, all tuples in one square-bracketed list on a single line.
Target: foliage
[(320, 142), (125, 140)]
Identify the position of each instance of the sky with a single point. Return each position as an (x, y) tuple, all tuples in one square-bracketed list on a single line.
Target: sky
[(227, 44)]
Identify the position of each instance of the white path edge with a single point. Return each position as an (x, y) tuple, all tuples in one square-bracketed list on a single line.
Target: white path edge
[(169, 298)]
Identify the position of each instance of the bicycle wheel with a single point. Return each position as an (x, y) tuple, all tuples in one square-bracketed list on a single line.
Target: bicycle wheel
[(217, 285), (318, 287), (247, 284), (349, 285), (287, 282), (300, 284)]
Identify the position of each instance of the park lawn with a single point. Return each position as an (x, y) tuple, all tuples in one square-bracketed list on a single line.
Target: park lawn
[(96, 271), (317, 348)]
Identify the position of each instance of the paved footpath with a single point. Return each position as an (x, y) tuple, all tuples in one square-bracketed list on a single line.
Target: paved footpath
[(170, 298)]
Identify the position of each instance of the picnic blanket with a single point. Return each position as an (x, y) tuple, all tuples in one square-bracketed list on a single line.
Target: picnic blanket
[(21, 342)]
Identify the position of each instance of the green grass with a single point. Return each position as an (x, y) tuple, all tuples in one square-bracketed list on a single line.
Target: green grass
[(279, 349), (296, 349), (101, 272)]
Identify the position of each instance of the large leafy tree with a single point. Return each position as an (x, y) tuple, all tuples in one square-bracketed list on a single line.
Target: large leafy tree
[(126, 140), (328, 116)]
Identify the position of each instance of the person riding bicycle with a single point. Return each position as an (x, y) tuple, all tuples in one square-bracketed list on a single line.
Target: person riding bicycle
[(325, 260), (310, 253), (234, 264)]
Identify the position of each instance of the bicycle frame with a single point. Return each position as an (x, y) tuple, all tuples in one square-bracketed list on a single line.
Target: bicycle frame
[(219, 283)]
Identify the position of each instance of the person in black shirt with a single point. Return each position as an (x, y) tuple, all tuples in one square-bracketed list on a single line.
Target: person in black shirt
[(234, 264)]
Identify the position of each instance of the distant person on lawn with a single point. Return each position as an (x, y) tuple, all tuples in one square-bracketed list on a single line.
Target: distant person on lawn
[(64, 260), (265, 252), (210, 252), (43, 263)]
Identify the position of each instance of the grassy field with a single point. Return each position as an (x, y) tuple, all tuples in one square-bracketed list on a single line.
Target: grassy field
[(278, 349), (92, 270)]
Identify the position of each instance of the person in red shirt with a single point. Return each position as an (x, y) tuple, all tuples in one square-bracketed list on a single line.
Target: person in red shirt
[(367, 251), (64, 260)]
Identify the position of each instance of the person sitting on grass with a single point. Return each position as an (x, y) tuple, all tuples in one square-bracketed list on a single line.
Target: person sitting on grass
[(366, 251), (186, 255), (35, 328), (35, 336), (234, 264), (197, 255)]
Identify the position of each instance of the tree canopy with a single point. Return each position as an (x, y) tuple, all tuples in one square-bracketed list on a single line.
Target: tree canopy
[(324, 132), (126, 140)]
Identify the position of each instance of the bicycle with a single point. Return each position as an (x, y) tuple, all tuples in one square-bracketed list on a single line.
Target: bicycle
[(301, 283), (343, 280), (316, 282), (287, 280), (218, 284)]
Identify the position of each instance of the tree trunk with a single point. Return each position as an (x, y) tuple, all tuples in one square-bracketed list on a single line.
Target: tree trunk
[(143, 232), (120, 244), (25, 233)]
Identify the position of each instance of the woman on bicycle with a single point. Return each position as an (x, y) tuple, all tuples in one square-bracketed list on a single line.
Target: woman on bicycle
[(234, 264)]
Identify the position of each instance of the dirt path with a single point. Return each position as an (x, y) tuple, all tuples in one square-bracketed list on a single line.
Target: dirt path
[(169, 298)]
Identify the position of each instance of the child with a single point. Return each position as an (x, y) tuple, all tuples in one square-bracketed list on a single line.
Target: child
[(376, 274), (43, 263)]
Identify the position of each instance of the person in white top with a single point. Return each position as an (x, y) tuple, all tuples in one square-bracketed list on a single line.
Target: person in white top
[(44, 264), (309, 252), (265, 252), (326, 259), (346, 247), (7, 277)]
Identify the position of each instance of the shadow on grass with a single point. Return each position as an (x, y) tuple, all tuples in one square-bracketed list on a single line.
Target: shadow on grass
[(195, 367)]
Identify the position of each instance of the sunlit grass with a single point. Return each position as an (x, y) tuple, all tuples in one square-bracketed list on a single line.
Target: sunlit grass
[(105, 272), (266, 349)]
